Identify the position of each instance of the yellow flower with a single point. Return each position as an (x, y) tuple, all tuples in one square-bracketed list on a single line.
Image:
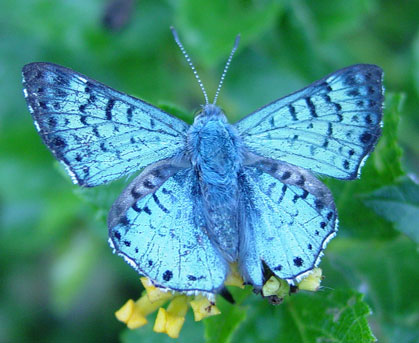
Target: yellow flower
[(134, 313), (202, 308), (154, 293), (170, 321), (312, 281), (234, 278), (276, 287)]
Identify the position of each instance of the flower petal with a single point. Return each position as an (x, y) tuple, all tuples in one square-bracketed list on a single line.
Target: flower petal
[(275, 286), (234, 278), (154, 293), (170, 321), (311, 282), (203, 308)]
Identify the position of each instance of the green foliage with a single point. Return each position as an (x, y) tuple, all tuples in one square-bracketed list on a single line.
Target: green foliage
[(217, 23), (221, 328), (398, 203), (386, 272), (57, 271), (335, 316)]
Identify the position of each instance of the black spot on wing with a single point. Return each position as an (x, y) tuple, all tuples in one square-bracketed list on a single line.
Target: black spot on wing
[(136, 208), (59, 142), (298, 261), (311, 107), (135, 194), (108, 110), (346, 164), (52, 122), (124, 221), (95, 131), (157, 201), (129, 114), (329, 129), (319, 204), (293, 113), (301, 181), (326, 86), (147, 184), (286, 175), (365, 137), (167, 275)]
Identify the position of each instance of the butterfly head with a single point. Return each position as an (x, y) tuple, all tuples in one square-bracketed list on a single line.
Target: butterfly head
[(210, 111)]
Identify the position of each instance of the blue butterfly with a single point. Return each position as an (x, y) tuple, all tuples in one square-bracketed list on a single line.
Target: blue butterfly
[(212, 193)]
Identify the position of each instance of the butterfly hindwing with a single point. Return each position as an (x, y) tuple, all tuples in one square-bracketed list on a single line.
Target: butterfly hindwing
[(329, 127), (289, 218), (98, 133), (162, 233)]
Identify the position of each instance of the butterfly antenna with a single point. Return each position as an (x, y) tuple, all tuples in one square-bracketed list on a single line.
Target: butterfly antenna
[(236, 44), (177, 40)]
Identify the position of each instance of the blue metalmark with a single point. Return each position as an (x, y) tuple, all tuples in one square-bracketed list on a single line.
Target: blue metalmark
[(212, 193)]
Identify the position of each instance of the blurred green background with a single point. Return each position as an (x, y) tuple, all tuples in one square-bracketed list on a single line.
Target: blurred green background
[(60, 282)]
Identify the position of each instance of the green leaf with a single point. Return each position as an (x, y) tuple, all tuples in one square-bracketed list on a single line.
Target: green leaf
[(382, 168), (386, 158), (71, 269), (176, 111), (398, 203), (209, 27), (191, 332), (332, 19), (339, 316), (222, 327), (415, 48), (387, 273)]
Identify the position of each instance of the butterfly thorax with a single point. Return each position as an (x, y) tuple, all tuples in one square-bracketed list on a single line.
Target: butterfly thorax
[(216, 157)]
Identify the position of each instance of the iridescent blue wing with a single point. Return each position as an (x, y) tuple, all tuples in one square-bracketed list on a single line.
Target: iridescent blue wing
[(329, 127), (289, 216), (157, 226), (98, 133)]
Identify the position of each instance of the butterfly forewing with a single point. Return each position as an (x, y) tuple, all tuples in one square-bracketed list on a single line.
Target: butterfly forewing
[(98, 133), (328, 127)]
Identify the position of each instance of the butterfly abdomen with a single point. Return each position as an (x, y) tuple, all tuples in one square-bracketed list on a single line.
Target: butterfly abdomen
[(216, 157)]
